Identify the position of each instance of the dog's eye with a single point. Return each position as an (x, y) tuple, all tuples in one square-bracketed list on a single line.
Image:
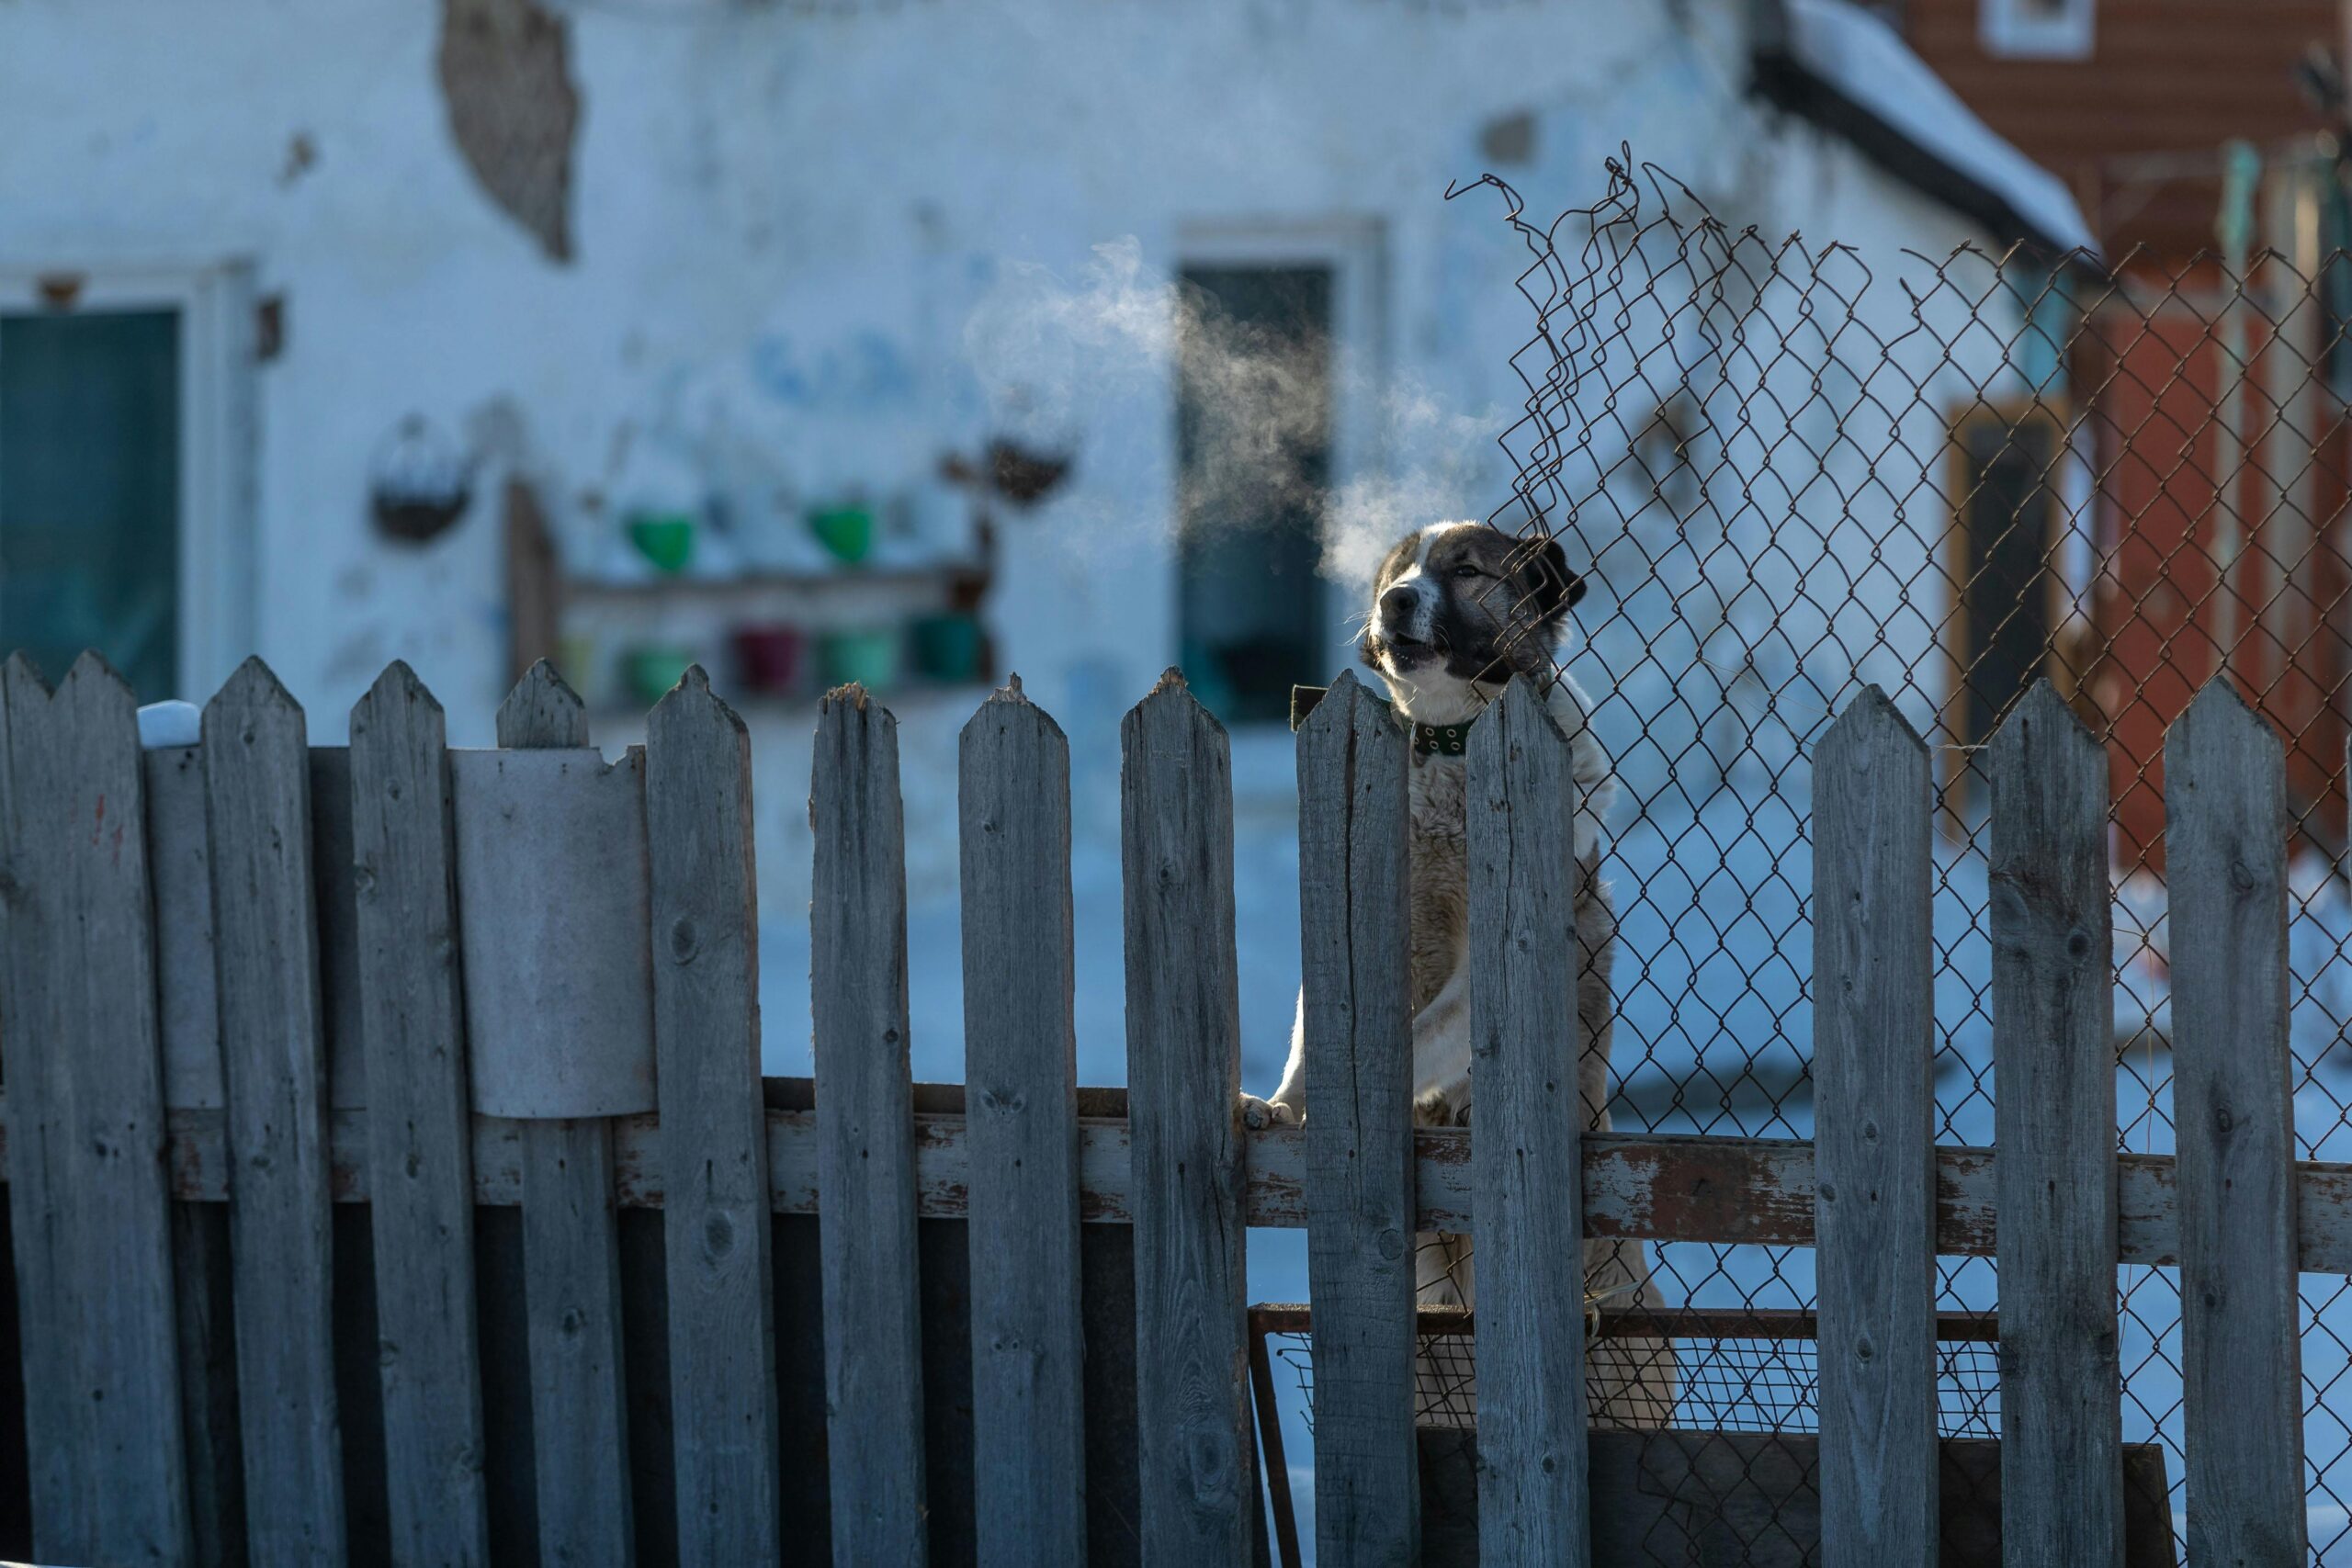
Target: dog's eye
[(1466, 570)]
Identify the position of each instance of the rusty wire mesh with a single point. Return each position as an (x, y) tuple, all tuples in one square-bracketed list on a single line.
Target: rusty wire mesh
[(1735, 1371), (1787, 471)]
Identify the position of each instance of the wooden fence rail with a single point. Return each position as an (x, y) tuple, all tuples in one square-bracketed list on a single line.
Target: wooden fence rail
[(297, 1034)]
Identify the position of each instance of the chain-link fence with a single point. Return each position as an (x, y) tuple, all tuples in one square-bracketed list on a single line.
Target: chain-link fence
[(1787, 469)]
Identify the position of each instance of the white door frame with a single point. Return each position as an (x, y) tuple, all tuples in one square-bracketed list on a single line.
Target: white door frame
[(218, 436)]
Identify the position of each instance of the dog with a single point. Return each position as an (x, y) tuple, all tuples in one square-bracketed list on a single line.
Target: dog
[(1458, 609)]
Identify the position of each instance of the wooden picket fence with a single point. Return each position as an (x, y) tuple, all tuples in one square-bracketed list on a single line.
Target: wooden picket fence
[(391, 1177)]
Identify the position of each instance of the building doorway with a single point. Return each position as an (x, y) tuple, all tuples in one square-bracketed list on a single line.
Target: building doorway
[(1254, 440), (2004, 471), (90, 467)]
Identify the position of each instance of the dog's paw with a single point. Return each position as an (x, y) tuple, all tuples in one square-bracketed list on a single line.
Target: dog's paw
[(1260, 1114), (1431, 1108)]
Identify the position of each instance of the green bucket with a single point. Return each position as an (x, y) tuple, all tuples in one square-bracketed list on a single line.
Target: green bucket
[(666, 538), (869, 657), (651, 668), (948, 648), (846, 531)]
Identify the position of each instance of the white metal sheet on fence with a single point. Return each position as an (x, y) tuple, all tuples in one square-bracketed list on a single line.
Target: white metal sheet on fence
[(551, 887)]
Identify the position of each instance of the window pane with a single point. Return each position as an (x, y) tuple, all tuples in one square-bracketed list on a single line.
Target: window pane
[(89, 491), (1254, 454)]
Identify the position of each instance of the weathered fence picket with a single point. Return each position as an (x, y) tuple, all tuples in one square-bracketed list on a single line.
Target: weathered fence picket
[(2054, 1056), (335, 906), (1354, 908), (92, 1237), (572, 1262), (865, 1136), (1021, 1109), (420, 1145), (274, 1065), (179, 861), (2226, 826), (1525, 1149), (1874, 1047), (714, 1127), (1184, 1085)]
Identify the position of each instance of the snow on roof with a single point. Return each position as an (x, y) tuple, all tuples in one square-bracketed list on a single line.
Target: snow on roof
[(1847, 70)]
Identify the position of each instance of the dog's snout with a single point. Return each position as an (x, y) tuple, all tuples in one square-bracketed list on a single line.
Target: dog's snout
[(1398, 603)]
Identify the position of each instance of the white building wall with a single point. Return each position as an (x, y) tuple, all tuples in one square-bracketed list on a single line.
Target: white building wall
[(820, 250)]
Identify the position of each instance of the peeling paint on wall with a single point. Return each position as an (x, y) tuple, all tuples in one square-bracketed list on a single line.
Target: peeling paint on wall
[(506, 79), (867, 372)]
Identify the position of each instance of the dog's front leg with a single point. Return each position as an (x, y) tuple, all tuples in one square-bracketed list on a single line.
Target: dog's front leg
[(1441, 1054), (1288, 1106)]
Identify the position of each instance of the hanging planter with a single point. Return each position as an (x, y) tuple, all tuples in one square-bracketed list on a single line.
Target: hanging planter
[(418, 481)]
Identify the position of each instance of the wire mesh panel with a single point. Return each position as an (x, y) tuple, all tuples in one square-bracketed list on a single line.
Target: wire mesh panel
[(1786, 470), (1736, 1370)]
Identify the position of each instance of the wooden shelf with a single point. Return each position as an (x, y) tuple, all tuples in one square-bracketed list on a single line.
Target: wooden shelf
[(589, 590)]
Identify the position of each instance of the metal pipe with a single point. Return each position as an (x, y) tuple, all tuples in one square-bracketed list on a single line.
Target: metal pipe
[(2241, 175)]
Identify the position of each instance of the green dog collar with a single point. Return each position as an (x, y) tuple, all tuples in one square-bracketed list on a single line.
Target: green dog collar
[(1442, 739), (1429, 740)]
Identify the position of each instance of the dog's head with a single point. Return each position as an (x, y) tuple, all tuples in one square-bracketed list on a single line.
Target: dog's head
[(1458, 608)]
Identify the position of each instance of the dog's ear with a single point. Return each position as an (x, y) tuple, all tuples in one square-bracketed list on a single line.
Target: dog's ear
[(1556, 589)]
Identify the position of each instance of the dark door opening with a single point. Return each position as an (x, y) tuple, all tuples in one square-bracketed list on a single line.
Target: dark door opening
[(2007, 465), (1253, 443), (89, 491)]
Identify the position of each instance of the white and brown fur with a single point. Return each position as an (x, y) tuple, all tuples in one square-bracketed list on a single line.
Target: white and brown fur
[(1458, 608)]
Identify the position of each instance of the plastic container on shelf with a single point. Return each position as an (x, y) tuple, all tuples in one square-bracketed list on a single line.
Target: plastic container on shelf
[(949, 647), (650, 669), (870, 656), (768, 656), (846, 531), (579, 659), (666, 538)]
